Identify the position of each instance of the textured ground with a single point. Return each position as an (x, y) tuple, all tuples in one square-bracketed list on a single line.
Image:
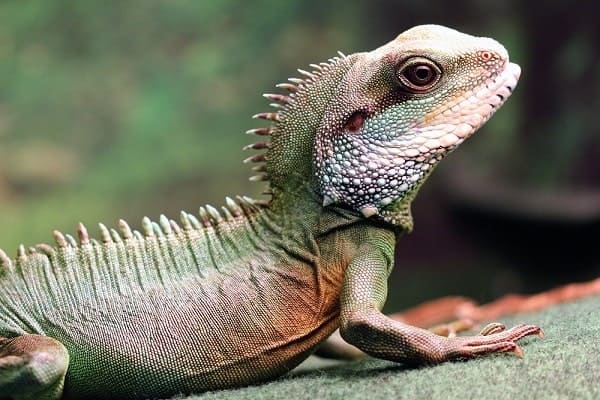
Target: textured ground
[(564, 365)]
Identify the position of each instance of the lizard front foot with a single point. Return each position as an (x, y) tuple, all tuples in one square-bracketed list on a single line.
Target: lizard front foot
[(494, 338)]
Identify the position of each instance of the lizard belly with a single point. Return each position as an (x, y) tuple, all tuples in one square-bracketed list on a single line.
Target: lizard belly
[(197, 335)]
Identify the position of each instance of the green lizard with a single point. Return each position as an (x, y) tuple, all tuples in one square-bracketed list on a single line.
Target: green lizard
[(242, 295)]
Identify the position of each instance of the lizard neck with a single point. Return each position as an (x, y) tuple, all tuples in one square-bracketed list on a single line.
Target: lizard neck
[(290, 157), (302, 207)]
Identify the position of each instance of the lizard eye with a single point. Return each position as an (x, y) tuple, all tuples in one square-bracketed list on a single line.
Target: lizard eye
[(419, 74)]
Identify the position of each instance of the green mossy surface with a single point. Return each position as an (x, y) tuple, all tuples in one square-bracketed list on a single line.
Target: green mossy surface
[(563, 365)]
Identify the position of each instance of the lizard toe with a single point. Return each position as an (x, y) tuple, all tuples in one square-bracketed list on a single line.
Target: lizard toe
[(494, 338), (490, 329)]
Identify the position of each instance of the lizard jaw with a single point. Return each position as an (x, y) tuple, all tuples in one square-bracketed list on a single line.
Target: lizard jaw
[(448, 128)]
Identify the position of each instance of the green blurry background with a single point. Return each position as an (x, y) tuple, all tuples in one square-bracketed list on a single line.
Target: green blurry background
[(113, 109)]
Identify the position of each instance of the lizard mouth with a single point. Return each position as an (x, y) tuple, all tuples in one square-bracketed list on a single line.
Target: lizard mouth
[(456, 122), (496, 92), (478, 108), (493, 94)]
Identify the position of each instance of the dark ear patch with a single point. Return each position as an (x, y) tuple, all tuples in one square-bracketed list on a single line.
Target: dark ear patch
[(356, 121)]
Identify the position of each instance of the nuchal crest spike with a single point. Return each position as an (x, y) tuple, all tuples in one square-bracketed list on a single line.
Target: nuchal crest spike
[(147, 227), (125, 229), (115, 236), (214, 214), (204, 218), (21, 254), (176, 228), (185, 221), (271, 116), (71, 240), (233, 207), (105, 233), (165, 224), (60, 240), (287, 86), (226, 214), (260, 131), (279, 98), (5, 260), (194, 221), (157, 229), (82, 234), (45, 249)]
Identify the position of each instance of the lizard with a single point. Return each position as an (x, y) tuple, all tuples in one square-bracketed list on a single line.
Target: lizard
[(241, 295)]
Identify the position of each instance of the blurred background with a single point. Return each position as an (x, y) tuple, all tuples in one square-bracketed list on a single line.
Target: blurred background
[(113, 109)]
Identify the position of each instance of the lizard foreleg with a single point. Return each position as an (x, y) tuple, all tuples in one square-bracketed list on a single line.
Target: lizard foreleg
[(363, 325)]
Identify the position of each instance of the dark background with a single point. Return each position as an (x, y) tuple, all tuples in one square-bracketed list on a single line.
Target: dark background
[(114, 109)]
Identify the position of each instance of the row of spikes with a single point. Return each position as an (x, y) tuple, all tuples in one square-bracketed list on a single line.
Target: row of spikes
[(280, 102), (209, 216)]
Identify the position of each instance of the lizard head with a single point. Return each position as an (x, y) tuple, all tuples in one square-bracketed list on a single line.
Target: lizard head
[(380, 121)]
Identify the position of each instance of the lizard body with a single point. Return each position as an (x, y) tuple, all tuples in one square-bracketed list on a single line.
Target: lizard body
[(242, 295)]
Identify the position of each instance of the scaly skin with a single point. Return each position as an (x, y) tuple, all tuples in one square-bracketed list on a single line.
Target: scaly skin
[(243, 296)]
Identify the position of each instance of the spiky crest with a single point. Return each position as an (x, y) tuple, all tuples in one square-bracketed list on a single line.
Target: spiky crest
[(209, 218), (283, 103)]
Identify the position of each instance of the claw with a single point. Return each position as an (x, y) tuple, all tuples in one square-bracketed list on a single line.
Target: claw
[(518, 351), (541, 334)]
